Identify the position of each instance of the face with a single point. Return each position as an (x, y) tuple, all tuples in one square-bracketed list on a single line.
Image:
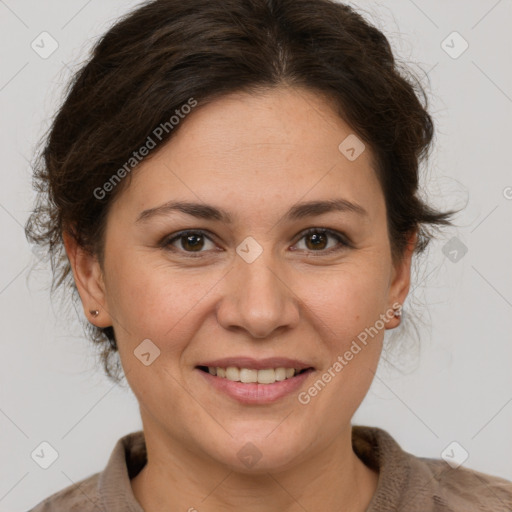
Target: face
[(277, 256)]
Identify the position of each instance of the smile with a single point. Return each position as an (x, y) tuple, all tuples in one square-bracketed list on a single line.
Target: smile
[(251, 375), (253, 381)]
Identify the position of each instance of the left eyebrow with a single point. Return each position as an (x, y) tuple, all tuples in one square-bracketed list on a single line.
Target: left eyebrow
[(314, 208), (208, 212)]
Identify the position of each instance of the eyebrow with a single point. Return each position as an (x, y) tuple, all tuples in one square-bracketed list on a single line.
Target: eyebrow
[(296, 212)]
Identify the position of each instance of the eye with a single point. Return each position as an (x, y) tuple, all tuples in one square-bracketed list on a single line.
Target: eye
[(317, 240), (188, 241), (194, 243)]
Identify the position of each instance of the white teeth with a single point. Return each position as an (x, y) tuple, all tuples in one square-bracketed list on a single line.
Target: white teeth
[(280, 373), (266, 376), (249, 375), (232, 373)]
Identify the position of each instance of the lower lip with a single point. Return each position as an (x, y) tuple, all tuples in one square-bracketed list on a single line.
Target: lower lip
[(254, 393)]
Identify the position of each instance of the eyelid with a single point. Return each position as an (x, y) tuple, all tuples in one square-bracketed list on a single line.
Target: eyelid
[(343, 241), (168, 240)]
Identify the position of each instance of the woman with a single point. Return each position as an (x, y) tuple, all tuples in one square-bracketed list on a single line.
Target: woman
[(232, 188)]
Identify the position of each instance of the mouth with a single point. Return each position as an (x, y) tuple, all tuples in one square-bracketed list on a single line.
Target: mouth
[(255, 381), (252, 375)]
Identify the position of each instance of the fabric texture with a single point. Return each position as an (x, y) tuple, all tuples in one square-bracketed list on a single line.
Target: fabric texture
[(406, 483)]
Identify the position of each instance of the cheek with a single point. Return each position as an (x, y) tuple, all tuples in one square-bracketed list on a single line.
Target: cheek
[(156, 301), (346, 300), (345, 317)]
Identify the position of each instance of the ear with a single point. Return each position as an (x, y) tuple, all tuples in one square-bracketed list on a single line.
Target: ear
[(89, 281), (401, 278)]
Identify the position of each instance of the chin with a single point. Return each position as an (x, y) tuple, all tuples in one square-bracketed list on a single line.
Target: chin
[(256, 455)]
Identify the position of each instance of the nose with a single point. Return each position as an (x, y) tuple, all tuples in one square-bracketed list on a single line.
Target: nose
[(258, 299)]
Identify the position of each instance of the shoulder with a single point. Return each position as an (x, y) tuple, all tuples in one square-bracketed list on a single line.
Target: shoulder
[(418, 484), (108, 490), (466, 489), (81, 496)]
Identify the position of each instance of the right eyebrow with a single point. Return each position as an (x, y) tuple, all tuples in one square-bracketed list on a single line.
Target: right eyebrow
[(201, 211)]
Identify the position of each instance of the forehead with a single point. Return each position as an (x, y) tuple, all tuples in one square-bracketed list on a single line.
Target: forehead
[(279, 146)]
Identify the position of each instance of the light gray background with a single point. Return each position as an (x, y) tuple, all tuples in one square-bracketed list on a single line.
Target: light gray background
[(455, 384)]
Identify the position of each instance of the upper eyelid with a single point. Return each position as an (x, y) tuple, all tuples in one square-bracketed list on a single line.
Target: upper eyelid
[(341, 237), (173, 237)]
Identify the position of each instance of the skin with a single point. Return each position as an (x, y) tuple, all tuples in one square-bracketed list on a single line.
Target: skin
[(254, 156)]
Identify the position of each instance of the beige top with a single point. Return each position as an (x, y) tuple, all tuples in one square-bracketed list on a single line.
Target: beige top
[(406, 483)]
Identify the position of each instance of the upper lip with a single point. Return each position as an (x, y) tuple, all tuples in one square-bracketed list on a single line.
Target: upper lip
[(257, 364)]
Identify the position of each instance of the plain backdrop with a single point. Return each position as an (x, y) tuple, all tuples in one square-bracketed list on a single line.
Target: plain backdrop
[(450, 382)]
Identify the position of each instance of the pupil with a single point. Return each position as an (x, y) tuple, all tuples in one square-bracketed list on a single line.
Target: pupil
[(189, 241), (318, 239)]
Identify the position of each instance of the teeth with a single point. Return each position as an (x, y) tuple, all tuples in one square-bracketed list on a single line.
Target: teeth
[(266, 376), (232, 373), (280, 373), (249, 375)]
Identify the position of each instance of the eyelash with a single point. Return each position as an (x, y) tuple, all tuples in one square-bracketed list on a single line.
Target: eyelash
[(339, 237)]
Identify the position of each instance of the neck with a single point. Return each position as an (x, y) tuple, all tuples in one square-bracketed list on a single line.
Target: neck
[(176, 479)]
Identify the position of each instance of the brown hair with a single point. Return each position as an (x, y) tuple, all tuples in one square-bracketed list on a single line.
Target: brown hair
[(167, 52)]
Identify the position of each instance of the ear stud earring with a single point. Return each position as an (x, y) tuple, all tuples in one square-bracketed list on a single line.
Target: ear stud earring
[(94, 312), (398, 311)]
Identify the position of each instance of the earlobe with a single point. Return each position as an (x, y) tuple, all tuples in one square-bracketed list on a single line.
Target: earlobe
[(401, 281), (88, 277)]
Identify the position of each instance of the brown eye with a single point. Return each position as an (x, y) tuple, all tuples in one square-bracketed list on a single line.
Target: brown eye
[(188, 242), (316, 241), (321, 240), (192, 242)]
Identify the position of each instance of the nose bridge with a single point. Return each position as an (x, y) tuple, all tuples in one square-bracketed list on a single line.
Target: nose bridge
[(258, 300), (260, 281)]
